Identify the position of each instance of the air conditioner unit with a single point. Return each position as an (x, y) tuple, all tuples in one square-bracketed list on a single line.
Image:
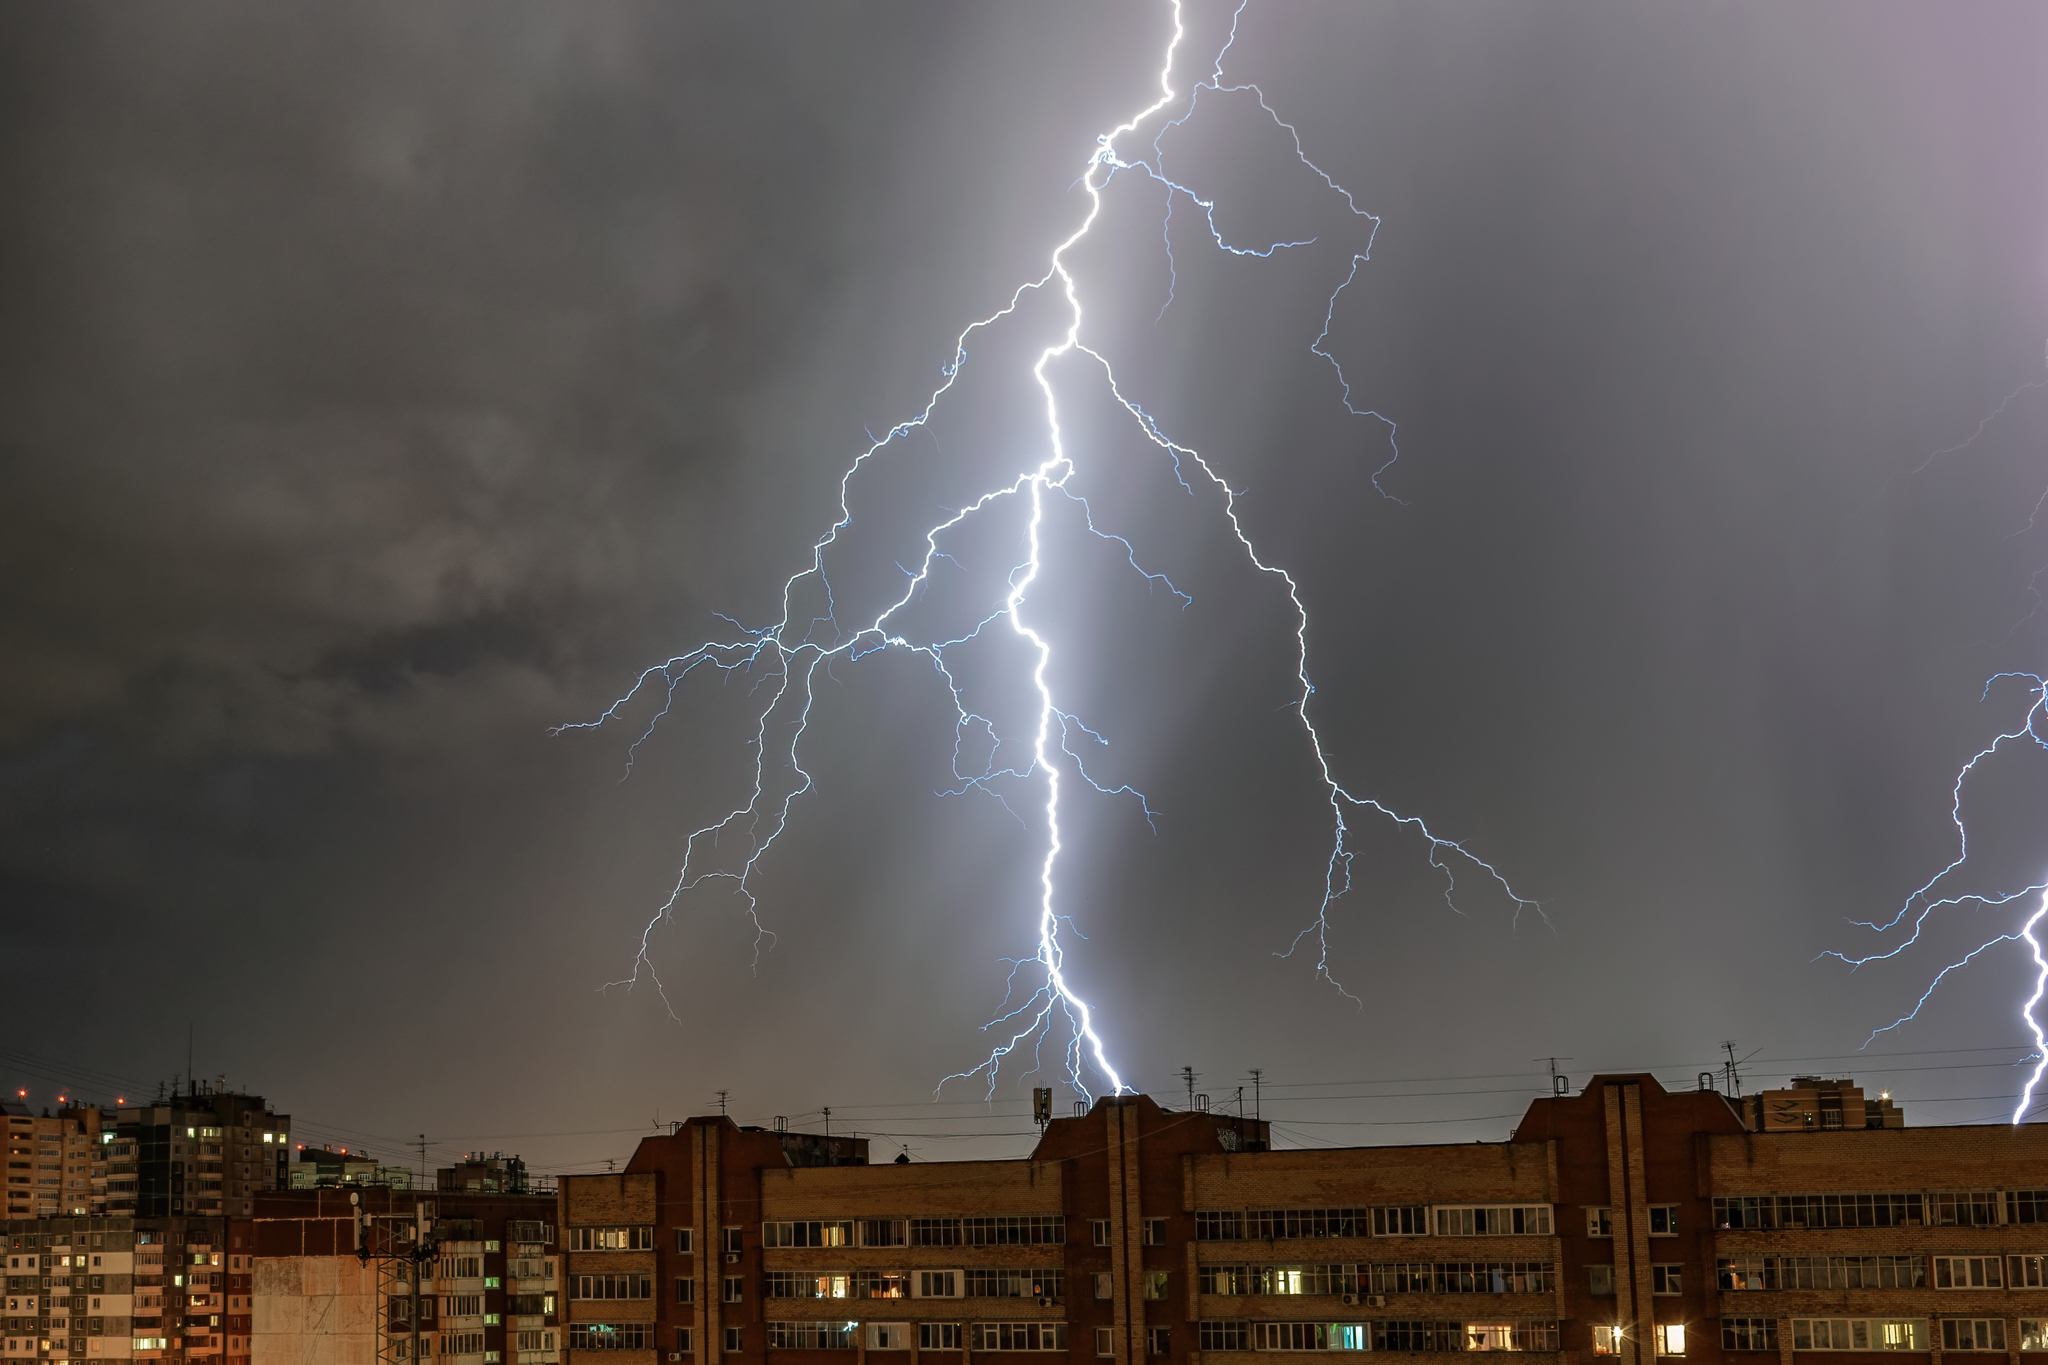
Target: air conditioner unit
[(675, 1355), (1045, 1303), (732, 1258), (1375, 1300), (1351, 1300)]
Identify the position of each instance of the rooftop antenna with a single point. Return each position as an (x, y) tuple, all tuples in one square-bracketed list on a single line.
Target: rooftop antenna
[(1258, 1107), (1728, 1068), (1187, 1073), (721, 1102), (423, 1160), (189, 1083), (828, 1120), (1560, 1086)]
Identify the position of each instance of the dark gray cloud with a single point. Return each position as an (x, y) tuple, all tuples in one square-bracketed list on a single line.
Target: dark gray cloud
[(388, 386)]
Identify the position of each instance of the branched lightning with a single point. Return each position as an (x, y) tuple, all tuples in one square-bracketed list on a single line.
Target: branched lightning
[(782, 659), (1932, 896)]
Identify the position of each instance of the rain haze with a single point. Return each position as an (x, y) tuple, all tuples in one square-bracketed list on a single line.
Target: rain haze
[(388, 387)]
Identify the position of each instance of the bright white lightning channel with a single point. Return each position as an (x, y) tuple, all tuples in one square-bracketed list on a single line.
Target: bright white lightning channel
[(786, 655), (1923, 903)]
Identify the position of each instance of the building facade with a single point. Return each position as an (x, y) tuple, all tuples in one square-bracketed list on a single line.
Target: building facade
[(1625, 1221), (55, 1165)]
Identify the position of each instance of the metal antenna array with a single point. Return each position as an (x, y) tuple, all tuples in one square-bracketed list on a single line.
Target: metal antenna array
[(398, 1263)]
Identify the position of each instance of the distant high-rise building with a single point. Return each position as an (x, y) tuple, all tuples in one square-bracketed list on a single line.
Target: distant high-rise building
[(54, 1165), (204, 1153)]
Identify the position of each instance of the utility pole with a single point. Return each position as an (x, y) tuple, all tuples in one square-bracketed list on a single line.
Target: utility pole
[(423, 1160), (1734, 1077)]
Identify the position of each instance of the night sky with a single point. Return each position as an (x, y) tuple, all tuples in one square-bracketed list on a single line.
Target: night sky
[(386, 386)]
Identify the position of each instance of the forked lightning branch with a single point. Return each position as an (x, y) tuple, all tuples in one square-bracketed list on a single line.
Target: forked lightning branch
[(783, 660)]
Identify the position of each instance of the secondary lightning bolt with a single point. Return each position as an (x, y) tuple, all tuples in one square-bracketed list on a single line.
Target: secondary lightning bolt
[(1925, 901), (784, 657)]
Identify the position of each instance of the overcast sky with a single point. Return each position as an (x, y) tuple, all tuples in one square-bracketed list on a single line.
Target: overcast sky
[(386, 386)]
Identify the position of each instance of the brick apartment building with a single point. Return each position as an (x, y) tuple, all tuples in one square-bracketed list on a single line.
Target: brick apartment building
[(1624, 1221)]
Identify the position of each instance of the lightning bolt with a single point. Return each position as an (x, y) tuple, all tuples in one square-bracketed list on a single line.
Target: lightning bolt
[(1931, 897), (782, 660)]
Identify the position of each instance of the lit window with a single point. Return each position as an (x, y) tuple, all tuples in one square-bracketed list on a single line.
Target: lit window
[(1607, 1341), (1671, 1339), (1599, 1222)]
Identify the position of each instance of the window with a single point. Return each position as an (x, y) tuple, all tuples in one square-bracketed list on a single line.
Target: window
[(545, 1341), (885, 1232), (733, 1239), (1478, 1220), (938, 1336), (683, 1241), (469, 1305), (1510, 1336), (1153, 1234), (1423, 1277), (1821, 1272), (735, 1288), (1105, 1341), (1030, 1229), (493, 1282), (888, 1336), (1418, 1336), (803, 1284), (1048, 1282), (1888, 1209), (611, 1239), (494, 1320), (1606, 1340), (1670, 1339), (735, 1338), (1749, 1334), (1263, 1225), (2033, 1334), (1601, 1280), (1599, 1222), (1099, 1228), (1973, 1334), (1663, 1220), (2027, 1272), (1666, 1279), (589, 1287), (1221, 1336), (881, 1284), (1859, 1334), (1158, 1341), (810, 1336), (1290, 1336), (1963, 1209), (813, 1234), (465, 1344), (1156, 1282), (2026, 1206), (1104, 1286), (1018, 1336), (936, 1284), (686, 1289), (1966, 1272)]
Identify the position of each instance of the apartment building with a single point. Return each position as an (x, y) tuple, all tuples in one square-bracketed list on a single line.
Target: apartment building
[(82, 1289), (207, 1153), (54, 1164), (488, 1295), (1624, 1221)]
